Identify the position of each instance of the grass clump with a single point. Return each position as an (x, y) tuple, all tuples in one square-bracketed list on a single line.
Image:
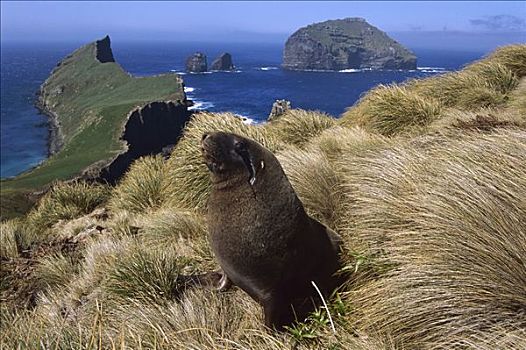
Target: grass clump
[(297, 126), (67, 201), (337, 141), (15, 238), (147, 275), (55, 271), (143, 187), (511, 57), (449, 213), (392, 109), (187, 173)]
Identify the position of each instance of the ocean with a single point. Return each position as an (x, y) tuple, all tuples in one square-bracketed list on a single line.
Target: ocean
[(248, 91)]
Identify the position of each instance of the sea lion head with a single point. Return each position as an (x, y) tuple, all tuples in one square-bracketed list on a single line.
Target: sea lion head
[(232, 157)]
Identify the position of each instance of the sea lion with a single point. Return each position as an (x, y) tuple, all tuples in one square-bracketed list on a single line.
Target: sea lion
[(263, 239)]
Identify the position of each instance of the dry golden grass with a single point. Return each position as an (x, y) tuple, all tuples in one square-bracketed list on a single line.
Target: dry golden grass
[(297, 126), (412, 106), (392, 109), (13, 238), (143, 187), (449, 215), (517, 101), (67, 201)]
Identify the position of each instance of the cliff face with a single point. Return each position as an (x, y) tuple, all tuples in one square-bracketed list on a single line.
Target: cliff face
[(349, 43), (104, 53), (148, 130)]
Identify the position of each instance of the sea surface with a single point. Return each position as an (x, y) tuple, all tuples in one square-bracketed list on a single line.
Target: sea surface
[(248, 91)]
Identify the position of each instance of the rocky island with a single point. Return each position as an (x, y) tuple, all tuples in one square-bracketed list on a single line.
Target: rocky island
[(97, 110), (223, 62), (197, 63), (349, 43)]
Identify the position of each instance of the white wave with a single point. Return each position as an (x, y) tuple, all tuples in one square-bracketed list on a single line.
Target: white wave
[(188, 89), (350, 70), (200, 105), (225, 71), (245, 119), (268, 68), (431, 69), (177, 71), (201, 72)]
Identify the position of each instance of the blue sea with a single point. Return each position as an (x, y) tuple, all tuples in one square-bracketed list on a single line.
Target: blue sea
[(248, 91)]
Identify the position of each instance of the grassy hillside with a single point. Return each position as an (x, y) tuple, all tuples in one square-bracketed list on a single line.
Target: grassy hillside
[(432, 214), (91, 101)]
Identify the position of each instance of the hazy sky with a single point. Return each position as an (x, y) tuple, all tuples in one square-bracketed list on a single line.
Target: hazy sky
[(224, 21)]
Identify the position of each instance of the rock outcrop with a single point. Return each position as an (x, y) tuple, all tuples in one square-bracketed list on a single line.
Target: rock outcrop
[(197, 63), (349, 43), (223, 62), (279, 107), (104, 52)]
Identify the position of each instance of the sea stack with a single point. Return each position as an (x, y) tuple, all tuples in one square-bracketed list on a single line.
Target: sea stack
[(197, 63), (349, 43), (223, 62)]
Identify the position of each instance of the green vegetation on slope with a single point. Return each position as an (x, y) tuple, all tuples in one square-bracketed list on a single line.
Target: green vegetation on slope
[(433, 220), (91, 101)]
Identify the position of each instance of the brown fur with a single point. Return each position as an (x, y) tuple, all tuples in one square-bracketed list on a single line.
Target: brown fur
[(262, 237)]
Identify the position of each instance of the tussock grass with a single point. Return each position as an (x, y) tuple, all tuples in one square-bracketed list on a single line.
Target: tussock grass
[(143, 187), (482, 84), (392, 109), (410, 107), (512, 57), (448, 214), (338, 140), (182, 230), (146, 275), (55, 271), (517, 100), (297, 126), (67, 201), (189, 179), (483, 120), (14, 238)]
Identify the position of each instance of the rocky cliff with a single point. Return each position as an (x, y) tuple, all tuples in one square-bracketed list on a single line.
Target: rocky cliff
[(223, 62), (104, 53), (349, 43), (148, 130), (197, 63)]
